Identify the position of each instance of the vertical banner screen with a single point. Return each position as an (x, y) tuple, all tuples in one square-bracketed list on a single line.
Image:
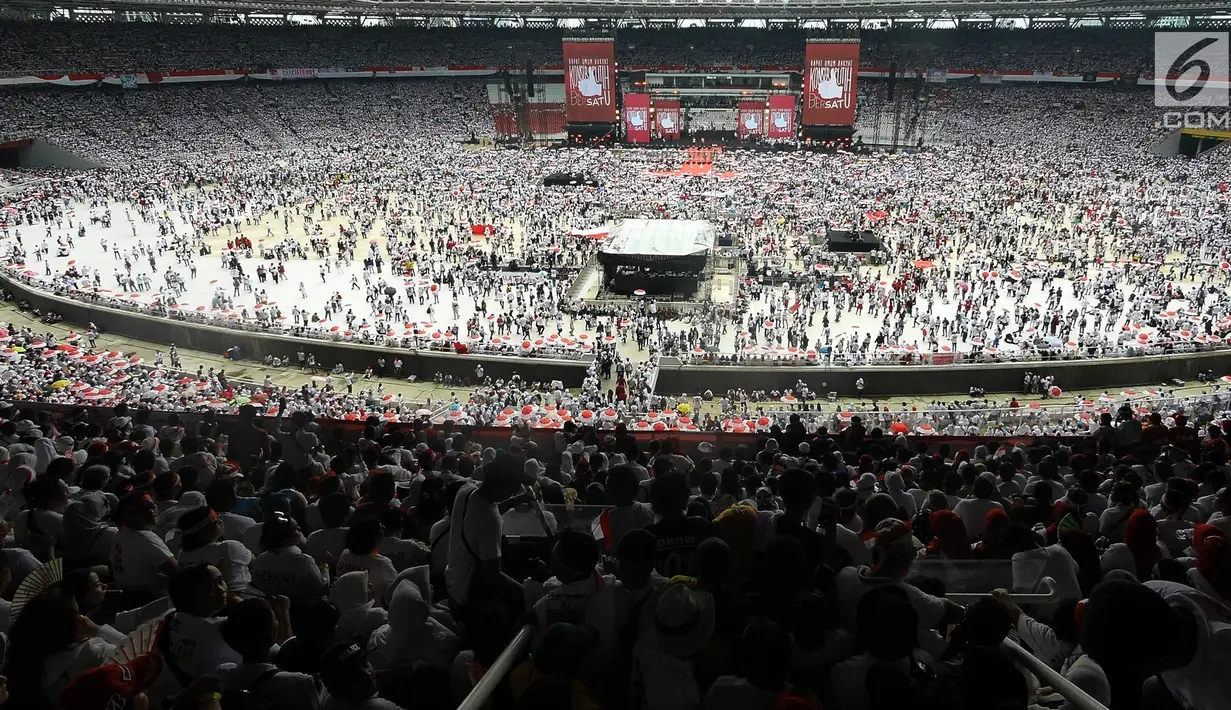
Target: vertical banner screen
[(831, 82), (667, 119), (589, 80), (637, 118), (751, 120), (781, 116)]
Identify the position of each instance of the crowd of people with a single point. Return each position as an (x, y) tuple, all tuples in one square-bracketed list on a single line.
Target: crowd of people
[(156, 561), (48, 47)]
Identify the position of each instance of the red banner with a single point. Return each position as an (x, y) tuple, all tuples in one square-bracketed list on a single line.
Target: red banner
[(637, 118), (589, 80), (831, 81), (782, 116), (667, 119), (751, 120)]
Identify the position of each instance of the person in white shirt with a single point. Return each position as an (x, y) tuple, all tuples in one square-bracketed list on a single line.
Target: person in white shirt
[(140, 561), (49, 644), (41, 525), (973, 511), (1139, 631), (327, 544), (284, 569), (628, 513), (403, 553), (476, 529), (87, 536), (252, 628), (201, 543), (362, 541), (222, 498), (191, 641), (1221, 517)]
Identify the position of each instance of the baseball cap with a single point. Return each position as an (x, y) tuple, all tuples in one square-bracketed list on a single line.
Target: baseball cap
[(342, 659), (112, 686)]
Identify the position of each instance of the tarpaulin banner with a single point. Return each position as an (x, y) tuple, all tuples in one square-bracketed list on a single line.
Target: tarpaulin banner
[(589, 80), (667, 119), (637, 118), (938, 76), (831, 82), (781, 116), (751, 120), (991, 77)]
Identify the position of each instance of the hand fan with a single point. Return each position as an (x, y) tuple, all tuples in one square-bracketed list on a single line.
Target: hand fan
[(141, 641), (35, 584)]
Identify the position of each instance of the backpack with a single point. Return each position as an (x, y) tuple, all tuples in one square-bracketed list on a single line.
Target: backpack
[(246, 698)]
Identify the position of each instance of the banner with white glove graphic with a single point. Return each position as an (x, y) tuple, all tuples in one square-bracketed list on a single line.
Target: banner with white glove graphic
[(637, 118), (751, 120), (831, 80), (781, 116), (667, 119), (589, 80)]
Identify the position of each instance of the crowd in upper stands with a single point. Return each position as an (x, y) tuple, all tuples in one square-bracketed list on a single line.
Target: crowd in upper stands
[(46, 47)]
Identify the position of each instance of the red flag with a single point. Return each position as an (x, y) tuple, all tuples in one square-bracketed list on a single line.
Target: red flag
[(795, 307)]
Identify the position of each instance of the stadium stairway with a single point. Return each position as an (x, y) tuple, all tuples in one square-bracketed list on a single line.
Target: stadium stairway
[(260, 123)]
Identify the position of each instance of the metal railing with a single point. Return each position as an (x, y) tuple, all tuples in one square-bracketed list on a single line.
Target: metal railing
[(1076, 697), (511, 656)]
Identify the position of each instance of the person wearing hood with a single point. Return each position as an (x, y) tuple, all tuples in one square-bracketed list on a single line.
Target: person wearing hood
[(357, 613), (40, 528), (1212, 572), (87, 536), (950, 540), (363, 539), (20, 472), (412, 635), (44, 452), (1139, 551), (895, 486)]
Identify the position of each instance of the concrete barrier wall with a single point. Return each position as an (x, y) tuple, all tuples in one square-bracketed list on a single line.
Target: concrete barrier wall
[(1110, 373), (255, 345)]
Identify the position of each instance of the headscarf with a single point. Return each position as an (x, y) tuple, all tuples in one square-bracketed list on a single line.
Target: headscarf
[(1213, 552), (1141, 537), (84, 523), (950, 535)]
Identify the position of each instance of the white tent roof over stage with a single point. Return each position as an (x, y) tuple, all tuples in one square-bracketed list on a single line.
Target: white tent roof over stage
[(660, 239)]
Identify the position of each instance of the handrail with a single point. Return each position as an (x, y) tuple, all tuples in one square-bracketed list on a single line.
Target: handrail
[(1076, 697), (512, 654), (1048, 596)]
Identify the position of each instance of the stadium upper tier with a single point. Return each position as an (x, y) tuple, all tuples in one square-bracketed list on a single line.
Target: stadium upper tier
[(44, 47)]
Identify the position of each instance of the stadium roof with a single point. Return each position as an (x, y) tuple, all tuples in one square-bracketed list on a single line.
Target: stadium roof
[(769, 9)]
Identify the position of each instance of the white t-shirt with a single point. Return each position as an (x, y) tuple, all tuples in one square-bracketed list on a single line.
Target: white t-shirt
[(626, 519), (1118, 556), (48, 522), (196, 647), (136, 559), (404, 554), (282, 689), (852, 583), (380, 572), (597, 601), (1204, 682), (973, 512), (326, 540), (287, 571), (234, 526), (480, 522), (231, 559), (61, 668)]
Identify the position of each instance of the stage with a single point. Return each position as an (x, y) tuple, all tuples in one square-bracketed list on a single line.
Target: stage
[(664, 257), (841, 241)]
